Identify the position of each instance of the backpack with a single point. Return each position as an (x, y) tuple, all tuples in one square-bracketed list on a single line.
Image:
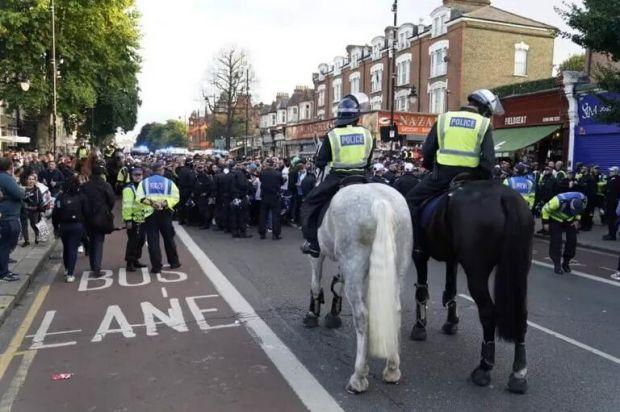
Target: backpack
[(69, 208)]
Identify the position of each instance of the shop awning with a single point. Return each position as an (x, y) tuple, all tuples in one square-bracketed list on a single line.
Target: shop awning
[(509, 140), (14, 139)]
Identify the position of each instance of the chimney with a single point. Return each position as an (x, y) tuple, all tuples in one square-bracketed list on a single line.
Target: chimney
[(421, 26), (466, 5)]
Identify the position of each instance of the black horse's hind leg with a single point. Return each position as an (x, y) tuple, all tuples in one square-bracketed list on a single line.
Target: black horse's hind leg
[(517, 383), (421, 296), (478, 287), (332, 319), (448, 300)]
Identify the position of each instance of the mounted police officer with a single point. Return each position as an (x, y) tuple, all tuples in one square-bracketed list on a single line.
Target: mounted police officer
[(133, 215), (460, 142), (562, 214), (158, 196), (347, 151)]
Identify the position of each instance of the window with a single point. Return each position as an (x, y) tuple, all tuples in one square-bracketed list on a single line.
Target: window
[(521, 51), (377, 46), (320, 114), (402, 100), (354, 82), (439, 22), (337, 90), (437, 97), (281, 116), (273, 119), (403, 68), (321, 96), (306, 111), (375, 103), (376, 78), (355, 57), (439, 58)]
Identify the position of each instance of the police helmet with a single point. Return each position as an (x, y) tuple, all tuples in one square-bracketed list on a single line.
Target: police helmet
[(488, 104), (351, 107)]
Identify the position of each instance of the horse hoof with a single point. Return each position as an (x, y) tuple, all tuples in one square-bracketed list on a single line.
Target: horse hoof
[(418, 333), (391, 376), (450, 328), (357, 386), (481, 377), (517, 385), (332, 321), (311, 321)]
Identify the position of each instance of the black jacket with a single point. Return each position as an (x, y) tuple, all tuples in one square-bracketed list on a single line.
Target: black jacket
[(100, 197), (202, 189), (487, 151), (270, 182), (308, 184), (186, 179), (241, 186), (48, 176), (70, 208), (405, 183)]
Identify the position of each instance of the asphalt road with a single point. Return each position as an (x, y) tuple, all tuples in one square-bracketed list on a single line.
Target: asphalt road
[(153, 351)]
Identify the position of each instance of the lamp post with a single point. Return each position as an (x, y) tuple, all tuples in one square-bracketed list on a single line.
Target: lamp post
[(392, 77), (54, 78), (247, 111)]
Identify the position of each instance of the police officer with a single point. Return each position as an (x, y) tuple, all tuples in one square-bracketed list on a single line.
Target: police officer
[(202, 195), (239, 206), (612, 194), (158, 196), (82, 151), (108, 151), (347, 150), (460, 142), (523, 184), (133, 215), (187, 181), (407, 181), (223, 196), (562, 214), (270, 182)]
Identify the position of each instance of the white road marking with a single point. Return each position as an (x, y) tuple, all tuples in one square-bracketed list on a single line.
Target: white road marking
[(580, 274), (164, 292), (564, 338), (62, 332), (307, 388)]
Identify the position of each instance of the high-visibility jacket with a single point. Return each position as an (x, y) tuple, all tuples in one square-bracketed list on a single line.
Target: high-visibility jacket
[(156, 188), (82, 152), (351, 148), (524, 186), (460, 136), (123, 175), (132, 211), (601, 184), (557, 209)]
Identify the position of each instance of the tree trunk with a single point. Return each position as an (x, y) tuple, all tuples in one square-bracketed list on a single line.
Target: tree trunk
[(44, 130)]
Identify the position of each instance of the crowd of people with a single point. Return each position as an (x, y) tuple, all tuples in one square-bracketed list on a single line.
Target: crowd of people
[(221, 194)]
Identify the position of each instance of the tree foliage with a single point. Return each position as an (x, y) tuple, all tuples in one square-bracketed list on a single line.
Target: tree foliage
[(160, 135), (97, 56), (228, 77), (576, 63), (597, 27)]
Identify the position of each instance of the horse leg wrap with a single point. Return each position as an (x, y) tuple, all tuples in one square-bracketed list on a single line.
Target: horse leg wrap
[(453, 316), (337, 300), (487, 356), (315, 303), (421, 298), (519, 365)]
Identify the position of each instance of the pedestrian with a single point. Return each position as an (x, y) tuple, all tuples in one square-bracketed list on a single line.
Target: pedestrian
[(100, 220), (378, 171), (68, 218), (33, 205), (202, 195), (562, 214), (186, 182), (10, 208), (158, 196), (133, 217), (222, 182), (239, 206), (52, 178), (407, 181), (616, 275), (270, 182), (612, 194)]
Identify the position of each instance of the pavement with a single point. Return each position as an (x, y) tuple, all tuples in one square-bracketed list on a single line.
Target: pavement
[(28, 262), (224, 333)]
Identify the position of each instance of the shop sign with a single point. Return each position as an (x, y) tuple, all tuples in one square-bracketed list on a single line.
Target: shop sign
[(409, 123), (309, 130), (590, 107)]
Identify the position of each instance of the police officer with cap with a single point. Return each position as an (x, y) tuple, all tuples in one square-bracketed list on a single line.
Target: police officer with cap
[(347, 151), (158, 195), (459, 142), (133, 215)]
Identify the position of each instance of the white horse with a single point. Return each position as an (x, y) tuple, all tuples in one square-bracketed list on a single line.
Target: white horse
[(367, 230)]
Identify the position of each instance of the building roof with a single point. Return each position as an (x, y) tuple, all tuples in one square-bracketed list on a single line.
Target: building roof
[(492, 13)]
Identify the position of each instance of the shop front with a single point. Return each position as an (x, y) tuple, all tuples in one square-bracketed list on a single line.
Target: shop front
[(596, 143), (533, 125)]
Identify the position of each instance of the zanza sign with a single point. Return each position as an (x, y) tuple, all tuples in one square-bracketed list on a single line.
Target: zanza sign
[(409, 123)]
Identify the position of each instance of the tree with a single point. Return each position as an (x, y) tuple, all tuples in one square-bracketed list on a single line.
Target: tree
[(576, 62), (228, 78), (97, 46), (596, 26), (157, 135)]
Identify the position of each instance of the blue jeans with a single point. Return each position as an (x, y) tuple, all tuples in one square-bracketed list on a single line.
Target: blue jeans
[(71, 236), (9, 233)]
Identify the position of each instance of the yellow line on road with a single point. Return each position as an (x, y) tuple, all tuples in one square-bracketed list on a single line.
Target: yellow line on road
[(16, 342)]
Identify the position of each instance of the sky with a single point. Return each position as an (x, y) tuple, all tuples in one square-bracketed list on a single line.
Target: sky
[(285, 39)]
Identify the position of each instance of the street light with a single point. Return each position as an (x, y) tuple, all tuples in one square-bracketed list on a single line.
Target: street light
[(413, 96), (24, 85), (54, 77), (392, 77)]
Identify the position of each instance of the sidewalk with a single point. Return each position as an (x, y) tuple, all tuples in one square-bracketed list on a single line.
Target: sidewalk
[(592, 239), (29, 260)]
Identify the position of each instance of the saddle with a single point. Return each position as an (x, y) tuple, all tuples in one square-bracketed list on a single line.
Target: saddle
[(432, 204)]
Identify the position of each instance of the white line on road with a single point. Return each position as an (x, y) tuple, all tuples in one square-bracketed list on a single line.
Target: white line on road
[(164, 292), (564, 338), (309, 390), (580, 274)]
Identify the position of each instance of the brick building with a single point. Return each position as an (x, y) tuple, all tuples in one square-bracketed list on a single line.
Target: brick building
[(470, 44), (197, 132)]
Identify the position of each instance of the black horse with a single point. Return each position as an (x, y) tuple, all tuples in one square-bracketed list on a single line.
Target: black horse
[(482, 225)]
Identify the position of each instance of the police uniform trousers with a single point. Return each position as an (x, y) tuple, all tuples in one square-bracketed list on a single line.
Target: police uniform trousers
[(136, 236), (160, 222), (555, 245), (314, 202), (239, 216), (182, 207), (612, 220), (270, 204), (222, 211), (205, 210)]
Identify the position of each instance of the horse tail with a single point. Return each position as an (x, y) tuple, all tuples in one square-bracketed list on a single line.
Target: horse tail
[(512, 271), (383, 290)]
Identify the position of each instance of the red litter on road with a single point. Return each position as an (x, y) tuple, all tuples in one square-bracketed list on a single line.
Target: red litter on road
[(61, 376)]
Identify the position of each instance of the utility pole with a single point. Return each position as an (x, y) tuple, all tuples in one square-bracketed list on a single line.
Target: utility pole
[(392, 76), (54, 79), (247, 110)]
